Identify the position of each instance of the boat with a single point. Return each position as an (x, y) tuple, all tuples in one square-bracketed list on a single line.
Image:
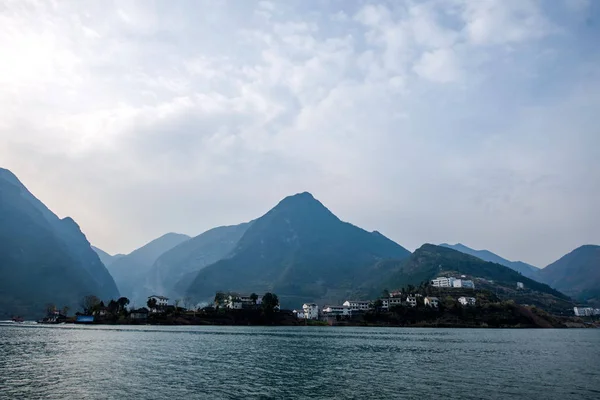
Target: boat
[(18, 319)]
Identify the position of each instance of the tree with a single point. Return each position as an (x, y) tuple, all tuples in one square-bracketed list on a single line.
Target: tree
[(151, 303), (270, 302), (122, 302), (65, 310), (385, 294), (113, 307), (88, 303), (254, 298), (219, 299)]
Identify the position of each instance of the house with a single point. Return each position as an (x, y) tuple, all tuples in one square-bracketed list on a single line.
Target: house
[(101, 312), (337, 310), (389, 302), (139, 314), (161, 301), (467, 301), (463, 283), (358, 305), (432, 302), (520, 285), (411, 300), (311, 311), (299, 313), (238, 301)]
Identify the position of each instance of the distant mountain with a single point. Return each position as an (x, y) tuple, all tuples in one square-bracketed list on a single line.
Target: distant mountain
[(173, 271), (106, 258), (43, 259), (131, 271), (302, 252), (577, 274), (525, 269), (430, 261)]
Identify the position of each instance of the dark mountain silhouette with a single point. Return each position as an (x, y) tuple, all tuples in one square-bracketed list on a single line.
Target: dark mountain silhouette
[(302, 252), (430, 261), (131, 271), (525, 269), (106, 258), (43, 259), (577, 274), (173, 271)]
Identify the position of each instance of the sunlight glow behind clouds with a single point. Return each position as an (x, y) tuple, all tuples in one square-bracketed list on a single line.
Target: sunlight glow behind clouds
[(431, 121)]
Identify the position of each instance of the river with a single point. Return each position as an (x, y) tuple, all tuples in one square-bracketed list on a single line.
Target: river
[(152, 362)]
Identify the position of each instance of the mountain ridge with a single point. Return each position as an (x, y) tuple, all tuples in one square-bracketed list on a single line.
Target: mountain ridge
[(300, 250), (527, 270)]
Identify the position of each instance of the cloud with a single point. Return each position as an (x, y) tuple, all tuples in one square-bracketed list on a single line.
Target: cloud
[(430, 121)]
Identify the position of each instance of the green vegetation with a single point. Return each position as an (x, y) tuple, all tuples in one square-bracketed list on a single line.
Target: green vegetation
[(577, 274), (300, 250), (43, 259)]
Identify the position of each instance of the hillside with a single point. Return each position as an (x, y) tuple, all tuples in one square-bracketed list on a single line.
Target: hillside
[(523, 268), (430, 261), (106, 258), (43, 259), (577, 274), (131, 271), (173, 271), (302, 252)]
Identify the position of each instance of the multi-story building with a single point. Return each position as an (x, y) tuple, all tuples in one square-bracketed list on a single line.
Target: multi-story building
[(451, 282), (337, 310), (358, 305), (584, 311), (520, 285), (311, 311), (411, 300), (239, 301), (389, 302)]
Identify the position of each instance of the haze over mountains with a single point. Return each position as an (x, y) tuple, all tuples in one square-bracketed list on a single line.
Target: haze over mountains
[(131, 271), (526, 269), (299, 250), (43, 259)]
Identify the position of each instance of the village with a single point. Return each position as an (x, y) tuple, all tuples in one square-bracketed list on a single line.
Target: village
[(389, 300)]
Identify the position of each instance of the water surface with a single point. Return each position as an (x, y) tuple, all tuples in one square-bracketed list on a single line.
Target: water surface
[(150, 362)]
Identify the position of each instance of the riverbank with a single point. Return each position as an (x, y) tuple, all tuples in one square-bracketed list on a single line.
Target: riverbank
[(495, 316)]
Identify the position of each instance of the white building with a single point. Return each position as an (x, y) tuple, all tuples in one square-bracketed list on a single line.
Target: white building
[(161, 301), (387, 303), (337, 310), (467, 301), (451, 282), (584, 311), (520, 285), (299, 313), (358, 305), (239, 301), (442, 281), (432, 302), (311, 311), (411, 300)]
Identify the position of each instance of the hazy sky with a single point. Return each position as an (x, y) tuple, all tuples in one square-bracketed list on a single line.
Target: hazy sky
[(430, 121)]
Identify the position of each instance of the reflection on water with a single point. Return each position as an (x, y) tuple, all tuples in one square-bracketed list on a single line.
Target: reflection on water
[(83, 362)]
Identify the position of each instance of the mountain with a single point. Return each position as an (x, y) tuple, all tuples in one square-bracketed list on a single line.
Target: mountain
[(302, 252), (106, 258), (43, 259), (525, 269), (430, 261), (130, 272), (577, 274), (173, 271)]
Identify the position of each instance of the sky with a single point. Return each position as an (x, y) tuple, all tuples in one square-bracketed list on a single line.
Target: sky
[(430, 121)]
